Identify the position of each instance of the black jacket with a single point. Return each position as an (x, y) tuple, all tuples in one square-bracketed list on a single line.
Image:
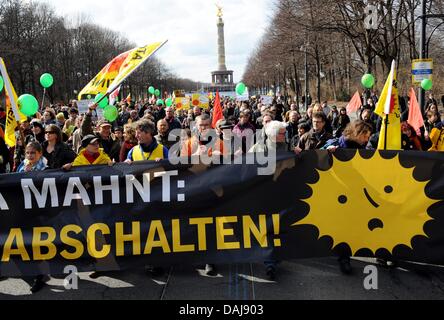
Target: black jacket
[(61, 155), (4, 156)]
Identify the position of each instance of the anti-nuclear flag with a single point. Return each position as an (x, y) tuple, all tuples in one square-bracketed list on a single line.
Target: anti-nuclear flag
[(388, 109), (182, 103), (117, 70), (13, 115), (200, 100)]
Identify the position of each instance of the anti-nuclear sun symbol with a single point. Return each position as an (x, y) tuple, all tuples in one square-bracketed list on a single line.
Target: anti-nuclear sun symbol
[(368, 203)]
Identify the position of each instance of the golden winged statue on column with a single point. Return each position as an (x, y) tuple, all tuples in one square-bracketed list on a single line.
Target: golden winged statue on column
[(219, 11)]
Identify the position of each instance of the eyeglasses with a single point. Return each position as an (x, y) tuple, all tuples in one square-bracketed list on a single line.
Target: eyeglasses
[(50, 132)]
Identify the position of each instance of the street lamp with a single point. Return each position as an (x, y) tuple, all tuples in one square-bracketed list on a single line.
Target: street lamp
[(423, 50), (278, 87), (78, 74), (304, 47)]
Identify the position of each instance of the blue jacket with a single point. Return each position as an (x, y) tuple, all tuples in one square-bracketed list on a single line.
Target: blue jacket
[(342, 143)]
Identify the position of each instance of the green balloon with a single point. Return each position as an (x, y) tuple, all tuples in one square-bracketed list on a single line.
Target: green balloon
[(160, 102), (151, 90), (157, 92), (28, 105), (427, 84), (110, 113), (104, 103), (240, 88), (169, 102), (46, 80), (368, 81), (2, 83)]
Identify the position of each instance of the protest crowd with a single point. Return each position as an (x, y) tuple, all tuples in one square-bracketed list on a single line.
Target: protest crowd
[(59, 137)]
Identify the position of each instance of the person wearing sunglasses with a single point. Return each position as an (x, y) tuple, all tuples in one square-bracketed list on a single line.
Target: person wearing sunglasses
[(55, 150)]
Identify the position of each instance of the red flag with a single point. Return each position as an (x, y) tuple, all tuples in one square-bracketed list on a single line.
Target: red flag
[(355, 103), (415, 117), (217, 111)]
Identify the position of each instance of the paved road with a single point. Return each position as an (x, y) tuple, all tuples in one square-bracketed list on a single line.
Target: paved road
[(297, 280)]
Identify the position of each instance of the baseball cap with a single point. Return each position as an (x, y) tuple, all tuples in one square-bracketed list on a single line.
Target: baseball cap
[(104, 122), (87, 140)]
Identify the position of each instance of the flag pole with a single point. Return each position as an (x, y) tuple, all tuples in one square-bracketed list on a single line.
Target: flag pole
[(388, 102), (43, 99), (386, 131)]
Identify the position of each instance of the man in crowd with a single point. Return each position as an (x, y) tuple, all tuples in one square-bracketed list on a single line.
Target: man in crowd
[(292, 128), (317, 137), (148, 148), (110, 145), (163, 134), (170, 118)]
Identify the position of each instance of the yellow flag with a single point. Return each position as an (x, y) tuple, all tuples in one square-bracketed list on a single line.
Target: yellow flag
[(204, 101), (437, 138), (105, 77), (117, 70), (200, 100), (13, 115), (388, 108), (182, 103)]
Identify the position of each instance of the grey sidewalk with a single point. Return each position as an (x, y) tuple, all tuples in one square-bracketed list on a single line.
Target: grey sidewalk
[(296, 280)]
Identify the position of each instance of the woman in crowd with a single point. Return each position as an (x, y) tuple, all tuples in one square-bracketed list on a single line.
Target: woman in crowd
[(4, 155), (413, 142), (130, 141), (355, 136), (49, 117), (303, 128), (340, 122), (55, 150)]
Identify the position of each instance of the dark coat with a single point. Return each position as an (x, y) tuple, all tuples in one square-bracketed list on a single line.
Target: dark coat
[(4, 156), (61, 155), (312, 140), (173, 124)]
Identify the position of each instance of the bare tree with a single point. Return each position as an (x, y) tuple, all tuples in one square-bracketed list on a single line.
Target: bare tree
[(340, 48), (34, 40)]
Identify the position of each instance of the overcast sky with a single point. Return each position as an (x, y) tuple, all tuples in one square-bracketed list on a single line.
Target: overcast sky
[(189, 26)]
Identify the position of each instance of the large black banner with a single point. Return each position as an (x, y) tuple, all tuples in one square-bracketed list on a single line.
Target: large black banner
[(385, 204)]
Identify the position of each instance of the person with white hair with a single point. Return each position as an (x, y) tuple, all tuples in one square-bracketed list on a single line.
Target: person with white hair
[(275, 132), (275, 140)]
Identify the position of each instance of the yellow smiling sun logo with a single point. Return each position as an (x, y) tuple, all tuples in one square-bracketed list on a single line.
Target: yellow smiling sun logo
[(368, 203)]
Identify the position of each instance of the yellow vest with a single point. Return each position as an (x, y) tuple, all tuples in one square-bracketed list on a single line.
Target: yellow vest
[(139, 155)]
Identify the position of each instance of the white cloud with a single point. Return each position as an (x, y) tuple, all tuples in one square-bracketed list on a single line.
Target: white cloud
[(189, 26)]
